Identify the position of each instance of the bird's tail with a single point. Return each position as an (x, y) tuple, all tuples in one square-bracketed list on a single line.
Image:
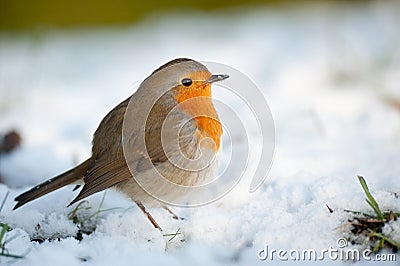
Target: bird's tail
[(52, 184)]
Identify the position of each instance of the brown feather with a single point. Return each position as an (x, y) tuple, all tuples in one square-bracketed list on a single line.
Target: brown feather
[(102, 176), (109, 166)]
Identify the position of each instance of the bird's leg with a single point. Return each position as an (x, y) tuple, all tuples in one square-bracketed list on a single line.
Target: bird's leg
[(174, 216), (151, 219)]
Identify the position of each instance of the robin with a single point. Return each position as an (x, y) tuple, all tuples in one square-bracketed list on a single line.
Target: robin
[(184, 89)]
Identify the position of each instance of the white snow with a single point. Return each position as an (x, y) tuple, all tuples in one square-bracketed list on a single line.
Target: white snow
[(325, 71)]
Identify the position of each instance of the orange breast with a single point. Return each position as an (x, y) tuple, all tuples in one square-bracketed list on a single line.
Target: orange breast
[(196, 101)]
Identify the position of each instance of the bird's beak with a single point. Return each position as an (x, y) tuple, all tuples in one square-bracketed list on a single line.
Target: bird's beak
[(216, 78)]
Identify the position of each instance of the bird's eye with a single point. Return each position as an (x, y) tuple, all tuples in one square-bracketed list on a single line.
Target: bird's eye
[(186, 82)]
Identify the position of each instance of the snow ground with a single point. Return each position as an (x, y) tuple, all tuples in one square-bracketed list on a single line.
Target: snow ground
[(326, 72)]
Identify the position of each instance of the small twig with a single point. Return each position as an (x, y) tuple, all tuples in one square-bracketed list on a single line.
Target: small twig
[(391, 216), (11, 255), (329, 208)]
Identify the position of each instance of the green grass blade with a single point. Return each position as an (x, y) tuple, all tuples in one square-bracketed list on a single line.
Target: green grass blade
[(4, 229), (375, 210), (4, 252), (371, 201), (359, 213), (4, 201), (391, 241), (173, 234)]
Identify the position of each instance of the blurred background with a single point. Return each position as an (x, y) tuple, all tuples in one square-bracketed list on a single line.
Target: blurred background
[(65, 64), (25, 15)]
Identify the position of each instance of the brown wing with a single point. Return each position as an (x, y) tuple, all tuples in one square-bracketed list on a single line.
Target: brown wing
[(108, 166), (106, 173), (103, 175)]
